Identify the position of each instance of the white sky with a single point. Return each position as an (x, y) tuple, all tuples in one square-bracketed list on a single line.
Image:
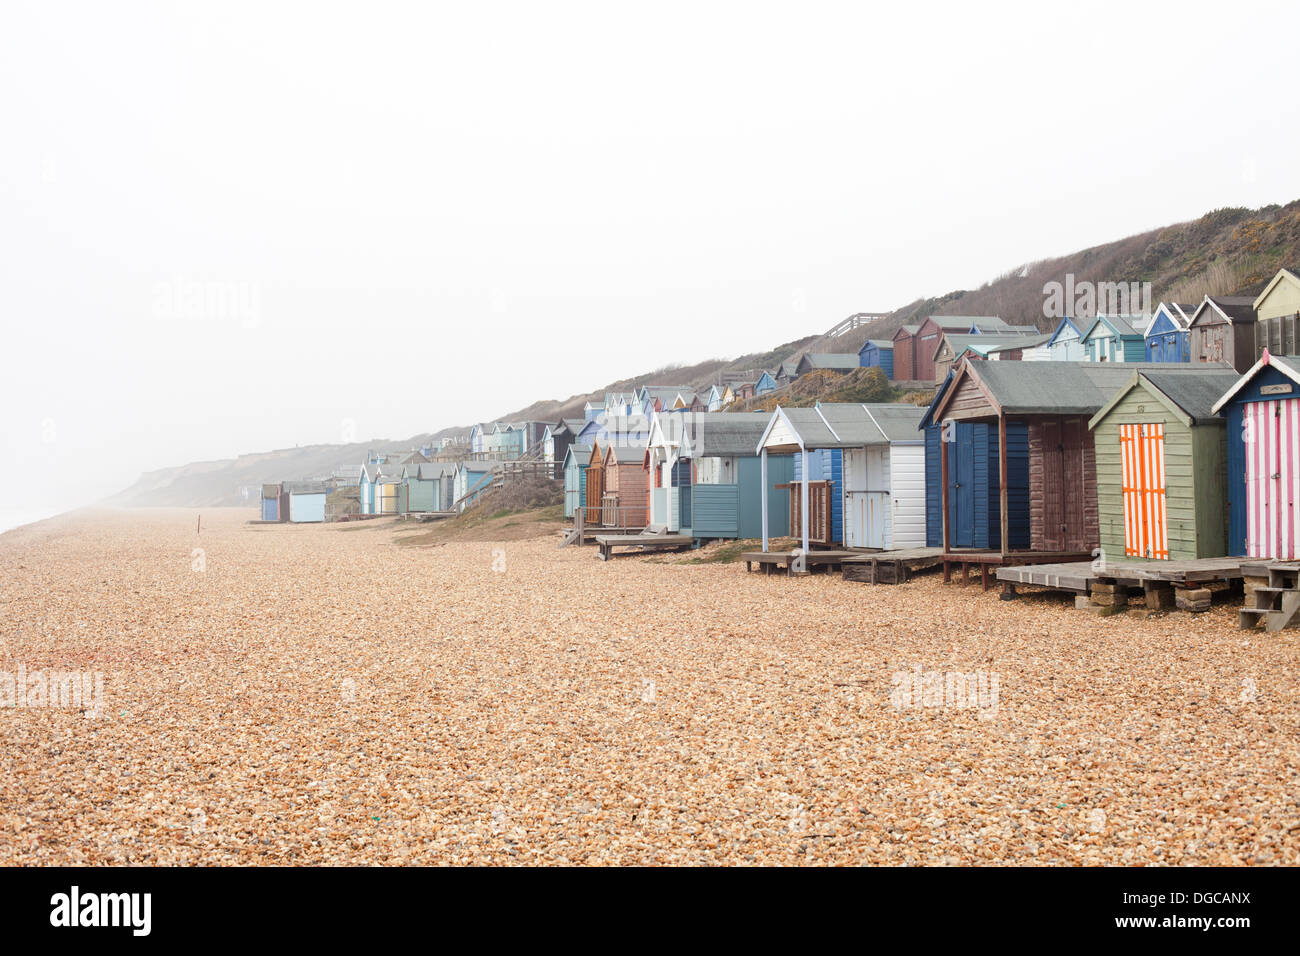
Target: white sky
[(431, 214)]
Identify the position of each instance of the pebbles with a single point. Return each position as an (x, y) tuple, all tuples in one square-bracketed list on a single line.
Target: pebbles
[(317, 694)]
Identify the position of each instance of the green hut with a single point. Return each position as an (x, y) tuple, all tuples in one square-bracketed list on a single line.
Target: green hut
[(1162, 467)]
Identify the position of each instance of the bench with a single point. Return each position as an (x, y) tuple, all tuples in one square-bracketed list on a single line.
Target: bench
[(648, 540)]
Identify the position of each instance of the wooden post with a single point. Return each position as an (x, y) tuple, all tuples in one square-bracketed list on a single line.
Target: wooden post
[(1002, 482), (762, 467), (807, 465), (943, 489)]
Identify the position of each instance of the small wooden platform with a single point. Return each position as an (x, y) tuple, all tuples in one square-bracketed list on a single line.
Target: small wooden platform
[(890, 567), (769, 561), (1080, 576), (646, 542), (989, 561)]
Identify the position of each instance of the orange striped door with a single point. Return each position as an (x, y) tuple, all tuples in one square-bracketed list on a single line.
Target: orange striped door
[(1142, 462)]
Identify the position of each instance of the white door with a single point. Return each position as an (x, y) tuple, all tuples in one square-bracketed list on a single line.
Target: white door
[(876, 499), (866, 497), (855, 491)]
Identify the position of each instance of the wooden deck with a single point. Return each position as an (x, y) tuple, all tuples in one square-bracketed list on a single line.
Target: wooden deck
[(1082, 576), (768, 561), (645, 542), (890, 567), (990, 561)]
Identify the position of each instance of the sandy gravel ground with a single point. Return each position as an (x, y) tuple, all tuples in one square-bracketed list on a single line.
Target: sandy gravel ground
[(322, 695)]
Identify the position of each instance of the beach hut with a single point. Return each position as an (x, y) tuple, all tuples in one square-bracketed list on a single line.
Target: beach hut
[(884, 477), (386, 488), (595, 491), (743, 391), (1162, 466), (1277, 309), (1166, 338), (625, 497), (271, 503), (306, 501), (706, 477), (926, 341), (1222, 331), (786, 373), (765, 383), (576, 458), (905, 353), (469, 480), (631, 430), (877, 353), (1262, 412), (556, 441), (366, 486), (1055, 400), (992, 346), (974, 512), (859, 474), (1115, 338), (425, 488), (1066, 343)]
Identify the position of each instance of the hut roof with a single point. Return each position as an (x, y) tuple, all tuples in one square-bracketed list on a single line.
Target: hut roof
[(1189, 395), (1288, 365), (305, 487), (714, 434), (626, 454), (832, 359), (1060, 388), (898, 423), (1237, 309), (850, 425)]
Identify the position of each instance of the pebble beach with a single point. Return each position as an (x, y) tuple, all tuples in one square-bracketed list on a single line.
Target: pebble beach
[(325, 694)]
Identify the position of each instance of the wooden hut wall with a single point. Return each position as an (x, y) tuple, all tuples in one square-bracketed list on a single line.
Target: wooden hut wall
[(1195, 476), (973, 462), (1062, 485), (904, 356)]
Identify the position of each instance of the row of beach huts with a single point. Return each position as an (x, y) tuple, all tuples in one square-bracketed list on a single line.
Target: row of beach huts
[(1114, 451)]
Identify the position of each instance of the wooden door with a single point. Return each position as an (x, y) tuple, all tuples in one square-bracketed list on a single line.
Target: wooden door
[(1272, 433), (595, 491), (961, 487), (1053, 487), (1142, 470)]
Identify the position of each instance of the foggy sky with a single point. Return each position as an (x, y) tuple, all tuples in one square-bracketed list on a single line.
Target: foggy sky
[(412, 216)]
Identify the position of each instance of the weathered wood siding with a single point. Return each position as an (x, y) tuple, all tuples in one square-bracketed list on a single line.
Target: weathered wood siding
[(1195, 480), (968, 402), (904, 356), (1062, 485)]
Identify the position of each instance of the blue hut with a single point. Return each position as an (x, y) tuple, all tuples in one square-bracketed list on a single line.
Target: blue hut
[(369, 475), (271, 510), (974, 485), (1115, 338), (306, 501), (877, 353), (1167, 336), (1263, 413), (576, 459), (766, 383)]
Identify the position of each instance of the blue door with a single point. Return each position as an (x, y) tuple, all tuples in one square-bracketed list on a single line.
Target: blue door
[(961, 488)]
